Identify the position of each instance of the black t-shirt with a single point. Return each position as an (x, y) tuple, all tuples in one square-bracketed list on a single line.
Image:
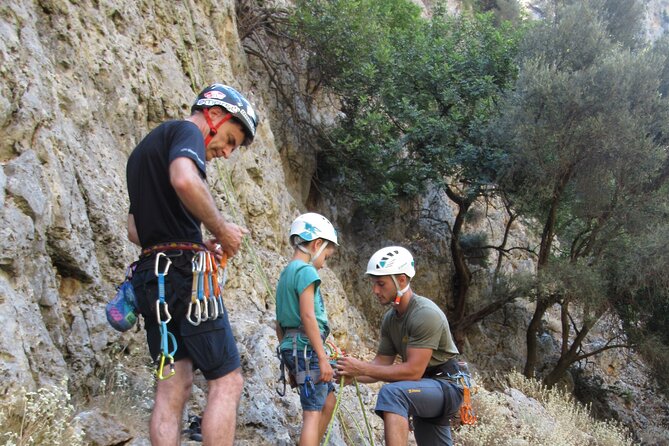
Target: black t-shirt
[(159, 214)]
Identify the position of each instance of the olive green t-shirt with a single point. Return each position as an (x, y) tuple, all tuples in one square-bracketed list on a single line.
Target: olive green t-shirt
[(423, 325)]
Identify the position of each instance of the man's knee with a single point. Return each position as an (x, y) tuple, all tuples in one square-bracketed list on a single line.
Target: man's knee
[(393, 400), (178, 387), (391, 392), (230, 384)]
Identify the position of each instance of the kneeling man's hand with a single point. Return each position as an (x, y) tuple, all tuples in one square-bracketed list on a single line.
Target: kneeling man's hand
[(349, 366)]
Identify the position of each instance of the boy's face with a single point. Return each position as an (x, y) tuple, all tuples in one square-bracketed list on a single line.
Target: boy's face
[(327, 252)]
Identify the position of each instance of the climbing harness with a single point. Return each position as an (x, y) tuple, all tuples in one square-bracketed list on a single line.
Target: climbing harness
[(171, 246), (163, 316), (307, 377), (206, 301)]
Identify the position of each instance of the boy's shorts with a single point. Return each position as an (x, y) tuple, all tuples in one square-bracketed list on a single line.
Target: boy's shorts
[(210, 345), (313, 396)]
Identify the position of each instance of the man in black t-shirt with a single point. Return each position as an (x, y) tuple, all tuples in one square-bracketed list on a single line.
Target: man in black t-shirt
[(169, 201)]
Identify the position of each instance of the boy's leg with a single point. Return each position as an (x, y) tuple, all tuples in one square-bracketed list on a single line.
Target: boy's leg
[(171, 396), (326, 414), (310, 425), (220, 416)]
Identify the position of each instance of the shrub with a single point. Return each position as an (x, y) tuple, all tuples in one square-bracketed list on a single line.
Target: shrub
[(557, 419), (44, 417)]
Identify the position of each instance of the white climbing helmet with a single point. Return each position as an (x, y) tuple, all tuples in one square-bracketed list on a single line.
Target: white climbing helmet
[(390, 261), (311, 226)]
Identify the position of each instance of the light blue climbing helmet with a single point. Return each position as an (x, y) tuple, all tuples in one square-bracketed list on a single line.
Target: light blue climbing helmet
[(311, 226)]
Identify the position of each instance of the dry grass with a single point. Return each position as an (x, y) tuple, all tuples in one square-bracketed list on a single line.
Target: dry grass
[(546, 417), (44, 417)]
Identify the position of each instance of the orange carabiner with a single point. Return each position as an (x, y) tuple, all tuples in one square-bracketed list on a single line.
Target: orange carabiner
[(467, 414)]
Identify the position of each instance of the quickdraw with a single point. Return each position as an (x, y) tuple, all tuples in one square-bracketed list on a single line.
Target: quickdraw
[(210, 293), (467, 412), (206, 293), (219, 283), (163, 316), (196, 317)]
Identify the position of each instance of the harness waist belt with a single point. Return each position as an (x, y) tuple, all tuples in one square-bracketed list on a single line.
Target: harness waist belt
[(447, 370), (298, 331), (172, 246)]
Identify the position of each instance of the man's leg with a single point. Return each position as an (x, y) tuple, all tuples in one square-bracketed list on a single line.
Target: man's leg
[(220, 416), (397, 400), (429, 434), (171, 396), (396, 428)]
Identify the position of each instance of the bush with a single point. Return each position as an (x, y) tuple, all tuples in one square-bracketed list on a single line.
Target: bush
[(44, 417), (557, 419)]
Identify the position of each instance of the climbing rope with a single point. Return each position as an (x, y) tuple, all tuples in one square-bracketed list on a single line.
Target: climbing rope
[(228, 189), (334, 412), (364, 412)]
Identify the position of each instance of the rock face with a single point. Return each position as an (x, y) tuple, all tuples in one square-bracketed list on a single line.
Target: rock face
[(81, 82)]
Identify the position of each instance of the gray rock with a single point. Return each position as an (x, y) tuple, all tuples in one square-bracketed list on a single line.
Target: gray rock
[(101, 429)]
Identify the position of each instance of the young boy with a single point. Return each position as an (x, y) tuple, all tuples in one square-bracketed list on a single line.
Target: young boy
[(302, 322)]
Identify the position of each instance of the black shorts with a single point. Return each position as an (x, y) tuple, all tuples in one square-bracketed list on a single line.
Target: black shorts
[(210, 345)]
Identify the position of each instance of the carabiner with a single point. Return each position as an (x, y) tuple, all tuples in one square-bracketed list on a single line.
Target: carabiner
[(165, 338), (189, 313), (211, 298), (167, 266), (161, 368), (165, 309)]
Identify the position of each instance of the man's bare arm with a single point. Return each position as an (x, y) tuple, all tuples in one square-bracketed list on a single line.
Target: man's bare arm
[(380, 370), (194, 194)]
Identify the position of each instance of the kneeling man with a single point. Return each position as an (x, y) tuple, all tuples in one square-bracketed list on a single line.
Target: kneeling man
[(420, 388)]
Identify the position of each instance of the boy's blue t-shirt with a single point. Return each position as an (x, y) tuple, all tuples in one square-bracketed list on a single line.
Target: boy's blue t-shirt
[(294, 279)]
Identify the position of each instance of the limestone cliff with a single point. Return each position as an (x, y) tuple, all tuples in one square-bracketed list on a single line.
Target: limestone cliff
[(81, 82)]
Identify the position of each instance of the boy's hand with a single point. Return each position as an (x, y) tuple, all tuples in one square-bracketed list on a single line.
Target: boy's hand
[(326, 369)]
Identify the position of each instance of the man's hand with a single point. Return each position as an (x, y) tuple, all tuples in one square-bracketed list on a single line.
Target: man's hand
[(231, 238), (349, 366), (214, 247)]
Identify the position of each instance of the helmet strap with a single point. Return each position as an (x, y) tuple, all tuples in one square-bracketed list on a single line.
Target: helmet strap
[(401, 292), (319, 252), (313, 257), (213, 129)]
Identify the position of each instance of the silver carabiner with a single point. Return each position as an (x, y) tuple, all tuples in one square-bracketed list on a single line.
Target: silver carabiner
[(190, 312), (167, 266)]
